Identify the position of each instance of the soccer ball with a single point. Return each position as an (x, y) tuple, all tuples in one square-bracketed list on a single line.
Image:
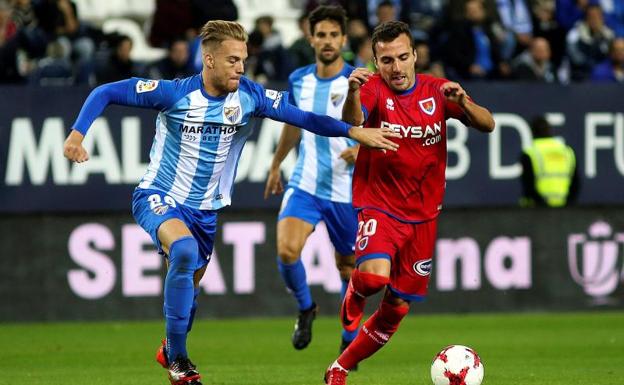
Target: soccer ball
[(457, 365)]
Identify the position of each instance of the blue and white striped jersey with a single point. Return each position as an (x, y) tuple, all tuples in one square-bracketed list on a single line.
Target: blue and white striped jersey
[(199, 138), (320, 170)]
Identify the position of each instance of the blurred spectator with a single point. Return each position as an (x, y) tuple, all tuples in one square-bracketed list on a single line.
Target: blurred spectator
[(534, 63), (175, 64), (612, 69), (386, 11), (569, 12), (55, 69), (424, 65), (356, 28), (546, 25), (172, 18), (301, 51), (424, 16), (456, 10), (363, 53), (203, 11), (549, 172), (23, 14), (380, 11), (614, 15), (118, 65), (588, 42), (357, 32), (516, 19), (472, 49), (7, 25), (268, 60)]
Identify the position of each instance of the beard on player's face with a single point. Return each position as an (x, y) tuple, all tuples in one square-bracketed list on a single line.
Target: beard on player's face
[(327, 56)]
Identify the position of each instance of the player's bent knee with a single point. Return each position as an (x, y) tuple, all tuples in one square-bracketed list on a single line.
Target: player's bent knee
[(367, 283), (182, 261), (288, 251)]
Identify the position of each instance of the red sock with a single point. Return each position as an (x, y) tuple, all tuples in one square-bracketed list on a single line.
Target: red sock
[(374, 334), (360, 286)]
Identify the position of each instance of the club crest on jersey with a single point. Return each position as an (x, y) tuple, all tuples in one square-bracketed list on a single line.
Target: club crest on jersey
[(336, 99), (423, 268), (146, 86), (232, 113), (427, 105), (390, 104)]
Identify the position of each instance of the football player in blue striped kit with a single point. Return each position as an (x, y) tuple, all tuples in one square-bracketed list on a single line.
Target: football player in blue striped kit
[(320, 186), (200, 133)]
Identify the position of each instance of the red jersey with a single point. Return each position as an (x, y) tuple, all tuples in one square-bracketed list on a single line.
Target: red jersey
[(409, 183)]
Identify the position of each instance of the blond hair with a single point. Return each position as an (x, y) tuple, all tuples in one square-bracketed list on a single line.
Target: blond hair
[(216, 31)]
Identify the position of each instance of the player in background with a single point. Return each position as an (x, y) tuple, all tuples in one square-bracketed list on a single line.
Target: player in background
[(200, 133), (398, 194), (320, 187)]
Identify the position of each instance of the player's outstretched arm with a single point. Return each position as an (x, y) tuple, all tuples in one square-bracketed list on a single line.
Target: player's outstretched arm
[(327, 126), (93, 107), (375, 137), (73, 150), (352, 109), (479, 117), (289, 137)]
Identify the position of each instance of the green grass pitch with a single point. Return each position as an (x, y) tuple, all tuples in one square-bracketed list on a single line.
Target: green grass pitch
[(517, 349)]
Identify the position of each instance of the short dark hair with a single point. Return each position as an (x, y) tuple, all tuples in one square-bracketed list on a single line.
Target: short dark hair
[(540, 127), (328, 12), (389, 31)]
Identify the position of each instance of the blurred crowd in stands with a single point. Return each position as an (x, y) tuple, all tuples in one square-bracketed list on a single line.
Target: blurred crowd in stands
[(46, 42)]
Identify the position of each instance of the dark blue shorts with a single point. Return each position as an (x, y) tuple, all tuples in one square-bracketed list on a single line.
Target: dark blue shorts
[(151, 208), (340, 218)]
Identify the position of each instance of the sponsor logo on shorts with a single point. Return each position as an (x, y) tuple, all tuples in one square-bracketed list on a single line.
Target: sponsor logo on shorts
[(362, 243), (160, 210), (423, 268)]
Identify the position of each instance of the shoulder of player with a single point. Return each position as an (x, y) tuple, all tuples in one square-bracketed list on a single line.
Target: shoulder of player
[(247, 85), (256, 91), (347, 69), (430, 80), (184, 85), (429, 83), (301, 72)]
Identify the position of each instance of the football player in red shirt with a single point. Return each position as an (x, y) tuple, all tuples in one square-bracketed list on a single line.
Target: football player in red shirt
[(398, 194)]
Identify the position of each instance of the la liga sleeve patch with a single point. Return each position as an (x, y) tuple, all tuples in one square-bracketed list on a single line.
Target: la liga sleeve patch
[(146, 86)]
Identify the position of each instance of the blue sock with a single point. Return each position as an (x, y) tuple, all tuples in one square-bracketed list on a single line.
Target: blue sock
[(346, 336), (193, 309), (179, 294), (294, 276)]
